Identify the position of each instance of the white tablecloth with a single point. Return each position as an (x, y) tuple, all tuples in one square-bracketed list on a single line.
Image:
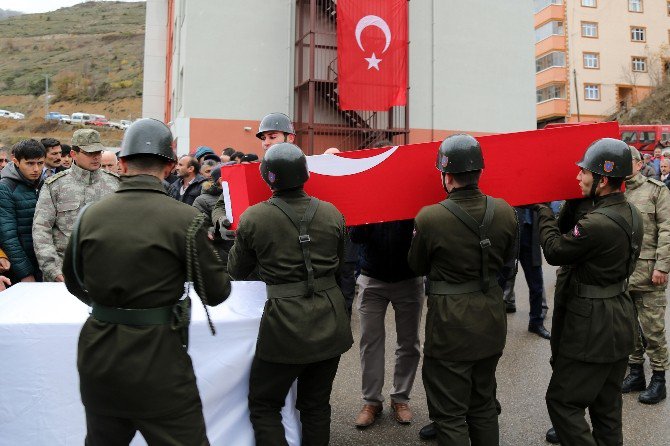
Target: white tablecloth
[(39, 384)]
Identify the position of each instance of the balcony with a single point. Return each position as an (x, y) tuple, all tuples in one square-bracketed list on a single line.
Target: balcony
[(553, 12), (551, 109), (553, 75), (551, 43)]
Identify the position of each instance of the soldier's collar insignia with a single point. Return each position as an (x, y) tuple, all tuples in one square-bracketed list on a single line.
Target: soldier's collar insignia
[(608, 166)]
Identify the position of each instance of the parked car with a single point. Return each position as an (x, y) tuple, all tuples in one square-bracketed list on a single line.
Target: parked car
[(5, 114), (80, 118), (65, 119), (125, 124), (98, 120), (18, 115), (53, 116)]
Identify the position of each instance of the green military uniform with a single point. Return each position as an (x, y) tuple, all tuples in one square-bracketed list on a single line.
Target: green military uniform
[(301, 336), (652, 198), (592, 338), (465, 331), (130, 253)]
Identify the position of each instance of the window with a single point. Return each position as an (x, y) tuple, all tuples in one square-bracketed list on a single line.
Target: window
[(541, 4), (552, 28), (638, 34), (635, 5), (629, 137), (550, 92), (592, 92), (647, 137), (592, 60), (553, 59), (589, 29), (640, 64), (589, 3)]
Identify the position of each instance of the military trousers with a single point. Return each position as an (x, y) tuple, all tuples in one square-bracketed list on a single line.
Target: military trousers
[(576, 386), (461, 400), (185, 428), (407, 298), (651, 314), (269, 384)]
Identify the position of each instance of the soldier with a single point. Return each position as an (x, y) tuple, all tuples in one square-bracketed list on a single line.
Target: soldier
[(297, 244), (135, 373), (62, 197), (648, 283), (466, 322), (275, 128), (594, 324)]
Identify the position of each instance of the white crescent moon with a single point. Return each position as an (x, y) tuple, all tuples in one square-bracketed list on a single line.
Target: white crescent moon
[(338, 166), (373, 20)]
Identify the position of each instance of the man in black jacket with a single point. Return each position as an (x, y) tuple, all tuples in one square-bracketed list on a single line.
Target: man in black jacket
[(189, 185), (18, 198), (386, 277)]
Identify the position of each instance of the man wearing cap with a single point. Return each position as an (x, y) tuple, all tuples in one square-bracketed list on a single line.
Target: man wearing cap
[(134, 371), (648, 283), (63, 195), (594, 322), (275, 128)]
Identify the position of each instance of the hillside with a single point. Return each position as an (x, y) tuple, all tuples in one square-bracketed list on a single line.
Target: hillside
[(654, 108), (4, 13), (91, 51)]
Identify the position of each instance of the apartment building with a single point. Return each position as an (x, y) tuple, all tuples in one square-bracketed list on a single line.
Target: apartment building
[(594, 58)]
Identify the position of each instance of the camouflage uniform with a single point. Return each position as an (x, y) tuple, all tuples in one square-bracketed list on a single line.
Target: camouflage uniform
[(61, 198), (652, 198)]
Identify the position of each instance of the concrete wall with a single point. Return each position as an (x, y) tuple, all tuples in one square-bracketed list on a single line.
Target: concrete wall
[(155, 41)]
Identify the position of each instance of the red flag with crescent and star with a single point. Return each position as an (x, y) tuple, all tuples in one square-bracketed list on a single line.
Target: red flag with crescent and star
[(372, 44)]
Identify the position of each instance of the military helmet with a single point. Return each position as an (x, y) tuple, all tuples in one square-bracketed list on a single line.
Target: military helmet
[(459, 153), (284, 166), (148, 137), (608, 157), (278, 122)]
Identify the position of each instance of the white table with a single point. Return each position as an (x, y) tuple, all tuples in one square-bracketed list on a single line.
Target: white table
[(39, 383)]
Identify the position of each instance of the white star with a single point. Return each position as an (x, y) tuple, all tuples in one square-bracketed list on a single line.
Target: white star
[(373, 62)]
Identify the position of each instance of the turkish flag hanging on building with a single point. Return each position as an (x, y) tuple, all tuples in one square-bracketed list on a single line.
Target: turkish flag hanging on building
[(372, 43)]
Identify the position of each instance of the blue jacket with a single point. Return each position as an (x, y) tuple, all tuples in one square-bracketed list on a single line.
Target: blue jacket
[(384, 249), (18, 197)]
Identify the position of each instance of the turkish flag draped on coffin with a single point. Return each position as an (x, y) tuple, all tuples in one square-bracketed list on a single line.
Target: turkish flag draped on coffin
[(372, 43), (394, 183)]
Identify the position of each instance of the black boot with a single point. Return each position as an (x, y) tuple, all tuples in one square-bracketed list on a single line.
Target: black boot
[(552, 436), (655, 393), (428, 432), (635, 381)]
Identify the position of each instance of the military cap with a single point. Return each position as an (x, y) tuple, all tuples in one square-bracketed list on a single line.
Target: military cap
[(87, 140)]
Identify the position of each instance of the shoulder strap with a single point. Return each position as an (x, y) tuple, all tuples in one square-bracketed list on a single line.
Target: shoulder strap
[(301, 224), (74, 240), (630, 231), (481, 230)]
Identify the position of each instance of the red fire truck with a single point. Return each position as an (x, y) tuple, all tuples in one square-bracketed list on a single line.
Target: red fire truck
[(645, 138)]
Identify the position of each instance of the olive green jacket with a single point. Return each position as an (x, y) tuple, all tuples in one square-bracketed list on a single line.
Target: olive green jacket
[(296, 329), (471, 326), (132, 254), (593, 330), (652, 198)]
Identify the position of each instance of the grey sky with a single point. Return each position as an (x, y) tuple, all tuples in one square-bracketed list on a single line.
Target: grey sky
[(33, 6)]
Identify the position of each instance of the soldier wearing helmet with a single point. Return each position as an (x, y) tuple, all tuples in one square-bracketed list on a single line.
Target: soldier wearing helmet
[(134, 371), (461, 244), (296, 242), (275, 128), (594, 319)]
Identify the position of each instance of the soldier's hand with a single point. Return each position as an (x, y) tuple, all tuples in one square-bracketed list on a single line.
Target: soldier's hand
[(4, 264), (659, 277), (60, 278)]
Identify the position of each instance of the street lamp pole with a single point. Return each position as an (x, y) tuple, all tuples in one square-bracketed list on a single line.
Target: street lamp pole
[(46, 95)]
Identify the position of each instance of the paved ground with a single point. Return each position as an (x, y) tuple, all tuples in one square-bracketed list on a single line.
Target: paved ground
[(523, 375)]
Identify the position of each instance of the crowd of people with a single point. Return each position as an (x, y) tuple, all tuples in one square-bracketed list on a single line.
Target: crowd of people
[(609, 312)]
